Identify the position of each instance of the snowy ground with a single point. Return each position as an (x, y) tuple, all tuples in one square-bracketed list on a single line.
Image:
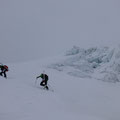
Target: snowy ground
[(73, 98)]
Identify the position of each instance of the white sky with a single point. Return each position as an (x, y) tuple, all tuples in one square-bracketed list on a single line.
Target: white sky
[(31, 29)]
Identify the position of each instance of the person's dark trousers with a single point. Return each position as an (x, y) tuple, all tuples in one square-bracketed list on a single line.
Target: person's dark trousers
[(44, 83), (5, 74), (1, 73)]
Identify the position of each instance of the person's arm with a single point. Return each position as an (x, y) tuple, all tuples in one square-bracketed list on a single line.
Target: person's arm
[(38, 76)]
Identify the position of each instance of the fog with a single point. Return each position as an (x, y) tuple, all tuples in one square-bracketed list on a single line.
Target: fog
[(33, 29)]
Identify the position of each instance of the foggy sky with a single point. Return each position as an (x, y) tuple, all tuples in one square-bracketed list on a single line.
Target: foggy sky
[(32, 29)]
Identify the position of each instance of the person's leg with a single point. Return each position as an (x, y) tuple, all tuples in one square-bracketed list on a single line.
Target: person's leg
[(5, 74), (42, 83), (46, 85), (1, 73)]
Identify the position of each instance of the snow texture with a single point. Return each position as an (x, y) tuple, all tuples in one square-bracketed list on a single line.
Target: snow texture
[(74, 98), (85, 63)]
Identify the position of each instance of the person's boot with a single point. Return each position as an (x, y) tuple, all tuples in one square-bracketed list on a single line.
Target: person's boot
[(5, 75), (47, 87), (1, 73)]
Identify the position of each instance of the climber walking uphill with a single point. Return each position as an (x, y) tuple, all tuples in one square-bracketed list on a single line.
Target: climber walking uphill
[(44, 80), (4, 69)]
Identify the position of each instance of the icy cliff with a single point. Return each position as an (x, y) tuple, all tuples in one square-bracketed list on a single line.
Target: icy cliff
[(102, 63)]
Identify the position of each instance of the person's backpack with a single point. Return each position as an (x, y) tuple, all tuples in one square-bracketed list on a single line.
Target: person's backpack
[(6, 67), (46, 77)]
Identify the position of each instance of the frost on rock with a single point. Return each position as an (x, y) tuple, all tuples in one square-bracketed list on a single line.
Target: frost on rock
[(101, 63)]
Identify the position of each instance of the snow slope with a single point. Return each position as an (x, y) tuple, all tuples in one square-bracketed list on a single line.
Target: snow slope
[(73, 98)]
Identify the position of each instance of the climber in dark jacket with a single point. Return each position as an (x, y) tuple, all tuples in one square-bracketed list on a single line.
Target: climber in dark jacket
[(4, 69), (44, 80)]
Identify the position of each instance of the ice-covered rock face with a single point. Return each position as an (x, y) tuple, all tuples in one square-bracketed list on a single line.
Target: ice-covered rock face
[(100, 63)]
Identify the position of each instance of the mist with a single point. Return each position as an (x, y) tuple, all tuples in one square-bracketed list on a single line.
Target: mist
[(35, 29)]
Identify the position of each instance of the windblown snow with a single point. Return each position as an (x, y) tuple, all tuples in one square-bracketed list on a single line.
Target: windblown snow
[(77, 80)]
